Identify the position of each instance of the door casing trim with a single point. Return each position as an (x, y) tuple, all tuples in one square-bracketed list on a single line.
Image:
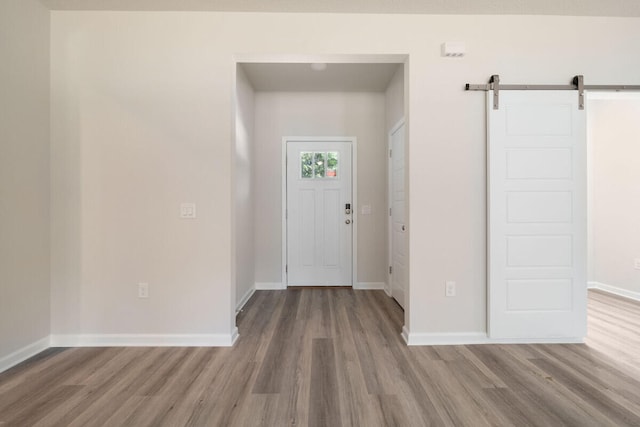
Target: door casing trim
[(354, 199), (394, 129)]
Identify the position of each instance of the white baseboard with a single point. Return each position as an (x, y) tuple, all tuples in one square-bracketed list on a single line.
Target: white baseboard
[(234, 337), (369, 285), (470, 338), (440, 338), (549, 340), (20, 355), (244, 299), (270, 286), (615, 290), (145, 340), (405, 335)]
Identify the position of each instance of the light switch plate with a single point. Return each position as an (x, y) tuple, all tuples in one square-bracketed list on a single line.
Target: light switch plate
[(450, 289), (188, 210), (143, 290)]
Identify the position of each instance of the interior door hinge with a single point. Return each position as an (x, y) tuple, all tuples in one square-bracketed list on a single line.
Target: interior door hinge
[(389, 152), (286, 268), (389, 211), (390, 270)]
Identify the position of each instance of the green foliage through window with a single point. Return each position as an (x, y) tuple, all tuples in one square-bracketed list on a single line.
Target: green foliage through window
[(319, 165), (306, 159), (332, 164), (318, 161)]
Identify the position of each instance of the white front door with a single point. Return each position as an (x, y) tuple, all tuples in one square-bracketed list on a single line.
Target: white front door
[(396, 201), (320, 213), (537, 216)]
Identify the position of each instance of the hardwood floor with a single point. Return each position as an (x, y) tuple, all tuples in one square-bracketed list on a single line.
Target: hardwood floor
[(335, 357)]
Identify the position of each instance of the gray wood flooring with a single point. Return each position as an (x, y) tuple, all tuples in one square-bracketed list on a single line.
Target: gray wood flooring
[(335, 358)]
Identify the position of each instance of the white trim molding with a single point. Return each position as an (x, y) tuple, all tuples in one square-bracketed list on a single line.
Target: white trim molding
[(370, 286), (353, 140), (270, 286), (405, 335), (245, 298), (470, 338), (145, 340), (24, 353), (621, 292), (443, 338)]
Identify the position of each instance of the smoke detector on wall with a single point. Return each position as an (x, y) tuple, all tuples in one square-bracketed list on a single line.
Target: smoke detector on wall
[(453, 49)]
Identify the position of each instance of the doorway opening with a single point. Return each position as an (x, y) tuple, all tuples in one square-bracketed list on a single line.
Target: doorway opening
[(327, 97), (613, 132)]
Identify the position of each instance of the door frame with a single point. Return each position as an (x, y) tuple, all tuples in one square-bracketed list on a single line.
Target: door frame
[(354, 200), (394, 129)]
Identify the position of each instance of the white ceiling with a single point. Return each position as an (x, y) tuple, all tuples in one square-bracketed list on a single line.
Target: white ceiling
[(482, 7), (269, 77)]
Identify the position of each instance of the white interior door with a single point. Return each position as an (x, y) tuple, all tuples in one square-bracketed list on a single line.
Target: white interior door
[(320, 213), (396, 197), (537, 216)]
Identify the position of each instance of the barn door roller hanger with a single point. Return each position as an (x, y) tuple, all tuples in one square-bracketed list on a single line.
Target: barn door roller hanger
[(576, 84)]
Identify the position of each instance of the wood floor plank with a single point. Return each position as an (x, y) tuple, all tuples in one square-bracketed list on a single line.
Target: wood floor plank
[(30, 367), (182, 387), (38, 383), (391, 409), (293, 408), (324, 406), (41, 406), (570, 359), (612, 411), (280, 348), (103, 399), (331, 357), (514, 408), (188, 403), (358, 406), (260, 410), (536, 393)]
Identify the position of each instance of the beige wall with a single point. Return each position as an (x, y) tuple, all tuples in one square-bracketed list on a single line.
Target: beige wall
[(321, 114), (142, 115), (24, 177), (394, 95), (244, 179), (615, 205), (141, 123)]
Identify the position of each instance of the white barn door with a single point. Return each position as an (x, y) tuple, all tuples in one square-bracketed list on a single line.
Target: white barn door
[(537, 217)]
